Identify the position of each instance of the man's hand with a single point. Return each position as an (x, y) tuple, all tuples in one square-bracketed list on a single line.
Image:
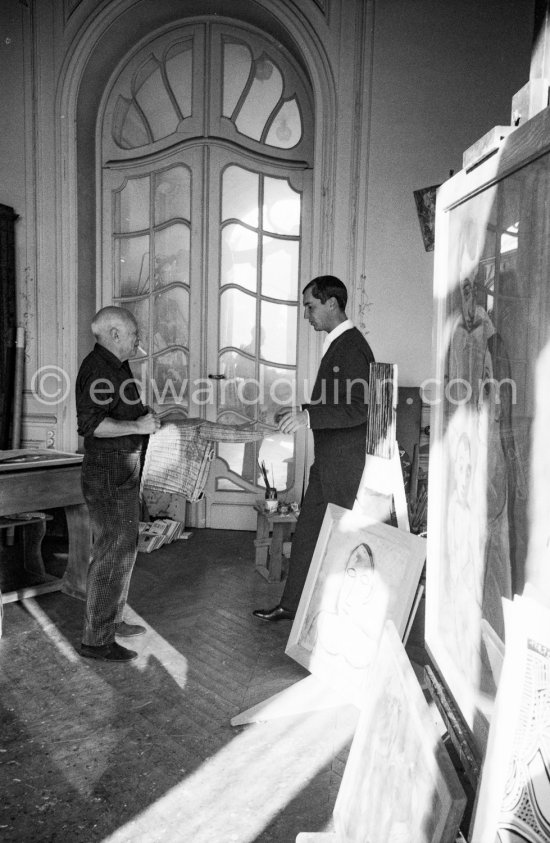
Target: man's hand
[(291, 419), (149, 423)]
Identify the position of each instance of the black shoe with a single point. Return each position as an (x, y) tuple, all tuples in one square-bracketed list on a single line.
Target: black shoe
[(108, 652), (278, 613), (127, 630)]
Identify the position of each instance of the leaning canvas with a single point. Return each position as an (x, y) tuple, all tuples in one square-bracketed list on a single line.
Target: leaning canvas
[(399, 783), (513, 801), (361, 573), (491, 326)]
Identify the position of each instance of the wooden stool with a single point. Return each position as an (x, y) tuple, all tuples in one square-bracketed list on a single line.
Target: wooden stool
[(34, 531), (272, 530)]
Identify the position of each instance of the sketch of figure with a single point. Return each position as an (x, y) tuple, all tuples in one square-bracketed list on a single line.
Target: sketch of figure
[(374, 810), (494, 432), (478, 530), (352, 628), (471, 332), (398, 802), (465, 580)]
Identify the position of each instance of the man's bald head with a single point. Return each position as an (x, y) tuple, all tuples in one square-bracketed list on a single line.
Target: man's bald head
[(111, 317), (116, 329)]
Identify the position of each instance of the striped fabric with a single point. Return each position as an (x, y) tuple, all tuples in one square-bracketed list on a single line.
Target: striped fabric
[(179, 455)]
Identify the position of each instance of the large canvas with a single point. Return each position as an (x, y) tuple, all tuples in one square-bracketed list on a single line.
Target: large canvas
[(399, 784), (514, 795), (492, 317), (362, 573)]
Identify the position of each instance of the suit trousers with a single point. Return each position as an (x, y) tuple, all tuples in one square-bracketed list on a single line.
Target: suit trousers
[(110, 485), (341, 490)]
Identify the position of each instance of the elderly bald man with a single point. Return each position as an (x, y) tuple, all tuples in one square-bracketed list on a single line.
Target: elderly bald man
[(115, 426)]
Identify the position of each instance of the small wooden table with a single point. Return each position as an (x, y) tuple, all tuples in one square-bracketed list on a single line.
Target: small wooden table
[(48, 481), (272, 530)]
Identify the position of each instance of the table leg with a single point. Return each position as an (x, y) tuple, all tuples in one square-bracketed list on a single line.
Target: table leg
[(261, 544), (262, 527), (275, 564), (76, 573)]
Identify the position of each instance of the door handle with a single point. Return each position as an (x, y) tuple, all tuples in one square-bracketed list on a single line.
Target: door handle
[(217, 377)]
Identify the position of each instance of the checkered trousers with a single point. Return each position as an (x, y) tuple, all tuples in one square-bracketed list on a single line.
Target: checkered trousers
[(110, 484)]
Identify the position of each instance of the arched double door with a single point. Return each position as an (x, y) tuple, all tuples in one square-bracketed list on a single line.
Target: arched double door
[(206, 197)]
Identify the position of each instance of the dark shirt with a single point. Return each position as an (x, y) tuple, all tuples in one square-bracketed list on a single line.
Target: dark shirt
[(339, 409), (111, 381), (339, 398)]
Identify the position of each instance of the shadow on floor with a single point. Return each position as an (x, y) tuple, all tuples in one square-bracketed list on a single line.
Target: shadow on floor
[(145, 751)]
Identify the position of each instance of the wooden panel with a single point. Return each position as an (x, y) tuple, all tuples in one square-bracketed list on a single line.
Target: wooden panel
[(24, 491), (7, 319)]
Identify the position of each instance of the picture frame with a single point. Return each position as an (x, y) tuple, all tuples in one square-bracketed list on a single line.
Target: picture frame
[(491, 321), (513, 800), (399, 782), (425, 201), (362, 572)]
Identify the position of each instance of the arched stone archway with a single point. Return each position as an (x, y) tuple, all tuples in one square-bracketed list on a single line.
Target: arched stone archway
[(93, 57)]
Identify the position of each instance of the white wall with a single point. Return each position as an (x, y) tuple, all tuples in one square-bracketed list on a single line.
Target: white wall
[(444, 75)]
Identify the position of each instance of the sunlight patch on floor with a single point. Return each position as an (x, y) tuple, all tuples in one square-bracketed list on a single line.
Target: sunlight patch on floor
[(154, 646), (48, 627), (237, 793), (231, 798)]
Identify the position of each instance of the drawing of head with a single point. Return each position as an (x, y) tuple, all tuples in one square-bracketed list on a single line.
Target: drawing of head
[(358, 581), (468, 297), (463, 468)]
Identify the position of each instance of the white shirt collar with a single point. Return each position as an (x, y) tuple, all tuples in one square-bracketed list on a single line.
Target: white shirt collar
[(335, 333)]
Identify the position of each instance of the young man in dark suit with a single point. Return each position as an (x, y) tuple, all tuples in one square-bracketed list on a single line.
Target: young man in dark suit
[(337, 415)]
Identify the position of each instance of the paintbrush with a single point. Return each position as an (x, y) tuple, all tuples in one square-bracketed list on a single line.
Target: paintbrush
[(264, 473)]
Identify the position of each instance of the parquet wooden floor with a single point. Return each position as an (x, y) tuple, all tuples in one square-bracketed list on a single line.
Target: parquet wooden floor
[(145, 752)]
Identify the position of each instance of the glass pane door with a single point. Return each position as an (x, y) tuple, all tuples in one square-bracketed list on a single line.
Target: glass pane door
[(253, 313), (151, 268), (205, 133)]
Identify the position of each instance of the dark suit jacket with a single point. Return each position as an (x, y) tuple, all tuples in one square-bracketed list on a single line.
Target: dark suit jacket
[(338, 411)]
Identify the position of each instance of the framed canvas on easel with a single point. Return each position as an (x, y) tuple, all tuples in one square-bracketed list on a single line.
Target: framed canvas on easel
[(492, 319)]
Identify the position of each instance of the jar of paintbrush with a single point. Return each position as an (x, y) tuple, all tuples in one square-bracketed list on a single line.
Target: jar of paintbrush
[(271, 502)]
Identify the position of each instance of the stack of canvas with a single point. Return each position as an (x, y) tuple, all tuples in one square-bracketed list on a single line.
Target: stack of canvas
[(154, 534)]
